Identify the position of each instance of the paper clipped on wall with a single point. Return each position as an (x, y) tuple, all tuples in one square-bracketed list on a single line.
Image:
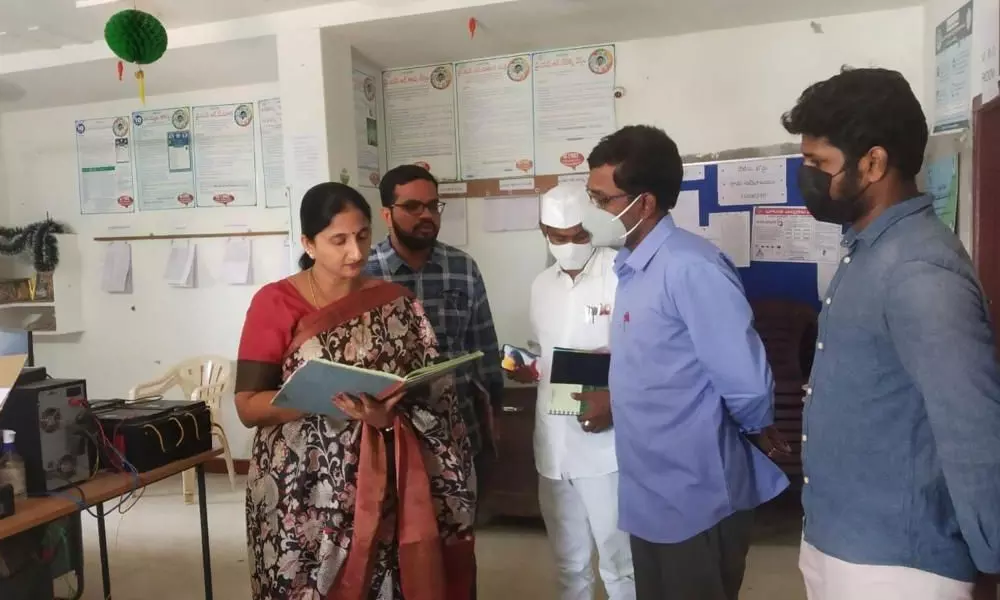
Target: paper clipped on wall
[(455, 223), (505, 213), (237, 262), (730, 231), (751, 182), (116, 268), (180, 270)]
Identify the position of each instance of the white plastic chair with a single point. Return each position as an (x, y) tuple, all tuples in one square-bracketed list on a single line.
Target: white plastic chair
[(201, 379)]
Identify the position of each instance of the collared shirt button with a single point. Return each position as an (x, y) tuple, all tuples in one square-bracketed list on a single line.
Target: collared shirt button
[(828, 301), (805, 480), (819, 345), (847, 260), (804, 437)]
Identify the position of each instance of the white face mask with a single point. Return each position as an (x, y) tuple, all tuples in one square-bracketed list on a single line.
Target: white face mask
[(618, 219), (571, 257)]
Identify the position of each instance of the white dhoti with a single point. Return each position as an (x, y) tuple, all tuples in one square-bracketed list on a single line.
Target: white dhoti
[(829, 578), (580, 514)]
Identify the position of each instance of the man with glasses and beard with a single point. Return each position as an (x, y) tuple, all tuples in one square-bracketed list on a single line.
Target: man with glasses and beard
[(448, 283)]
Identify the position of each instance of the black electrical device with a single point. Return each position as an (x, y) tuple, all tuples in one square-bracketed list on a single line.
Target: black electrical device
[(53, 426), (6, 500), (153, 433)]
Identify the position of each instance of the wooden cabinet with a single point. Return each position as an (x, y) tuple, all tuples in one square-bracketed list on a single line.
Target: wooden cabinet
[(511, 490)]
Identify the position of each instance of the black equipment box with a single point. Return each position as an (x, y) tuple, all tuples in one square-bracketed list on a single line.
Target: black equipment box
[(153, 433), (53, 429)]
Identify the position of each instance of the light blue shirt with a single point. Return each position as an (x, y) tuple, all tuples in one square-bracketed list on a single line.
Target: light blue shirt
[(901, 451), (688, 377)]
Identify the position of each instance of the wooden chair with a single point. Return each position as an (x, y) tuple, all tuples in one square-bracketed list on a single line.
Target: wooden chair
[(201, 379)]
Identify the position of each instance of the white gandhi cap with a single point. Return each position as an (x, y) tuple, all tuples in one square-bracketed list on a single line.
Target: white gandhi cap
[(563, 206)]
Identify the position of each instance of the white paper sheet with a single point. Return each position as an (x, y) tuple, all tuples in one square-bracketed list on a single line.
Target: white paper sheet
[(420, 110), (503, 213), (686, 212), (791, 234), (521, 184), (574, 104), (730, 231), (761, 181), (225, 161), (574, 178), (181, 265), (105, 166), (455, 223), (694, 172), (237, 261), (272, 150), (116, 269), (163, 156), (495, 127)]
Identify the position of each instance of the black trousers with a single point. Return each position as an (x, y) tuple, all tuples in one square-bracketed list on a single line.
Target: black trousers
[(708, 566)]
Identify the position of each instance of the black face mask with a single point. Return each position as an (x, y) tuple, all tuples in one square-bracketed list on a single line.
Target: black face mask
[(814, 184)]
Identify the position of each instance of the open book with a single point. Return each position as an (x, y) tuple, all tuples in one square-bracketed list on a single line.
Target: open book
[(312, 387)]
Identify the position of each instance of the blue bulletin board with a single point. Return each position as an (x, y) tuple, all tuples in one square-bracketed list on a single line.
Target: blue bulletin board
[(763, 280)]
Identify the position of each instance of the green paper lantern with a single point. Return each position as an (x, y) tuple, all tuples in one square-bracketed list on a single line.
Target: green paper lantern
[(136, 37)]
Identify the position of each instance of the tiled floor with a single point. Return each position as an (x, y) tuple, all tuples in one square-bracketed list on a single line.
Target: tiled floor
[(155, 553)]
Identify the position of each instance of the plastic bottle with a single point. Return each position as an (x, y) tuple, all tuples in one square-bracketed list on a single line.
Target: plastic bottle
[(12, 466)]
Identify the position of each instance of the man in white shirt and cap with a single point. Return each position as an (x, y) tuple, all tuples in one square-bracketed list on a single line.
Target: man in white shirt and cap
[(571, 306)]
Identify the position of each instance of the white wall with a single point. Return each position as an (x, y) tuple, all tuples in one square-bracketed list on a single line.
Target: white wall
[(727, 89), (130, 338), (711, 91)]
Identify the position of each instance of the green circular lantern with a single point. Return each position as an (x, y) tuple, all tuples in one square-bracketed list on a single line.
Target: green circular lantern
[(136, 37)]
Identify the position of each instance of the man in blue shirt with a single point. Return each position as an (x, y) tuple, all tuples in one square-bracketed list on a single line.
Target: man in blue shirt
[(901, 426), (689, 380)]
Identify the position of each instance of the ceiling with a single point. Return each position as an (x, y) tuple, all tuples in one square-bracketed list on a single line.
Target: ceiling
[(510, 28), (97, 81), (28, 25), (517, 26)]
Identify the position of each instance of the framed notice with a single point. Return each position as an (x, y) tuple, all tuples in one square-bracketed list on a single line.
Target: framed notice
[(164, 158), (421, 118), (574, 106), (495, 117), (104, 166)]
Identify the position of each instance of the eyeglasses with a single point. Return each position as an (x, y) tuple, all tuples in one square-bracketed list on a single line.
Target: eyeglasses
[(416, 207), (600, 200)]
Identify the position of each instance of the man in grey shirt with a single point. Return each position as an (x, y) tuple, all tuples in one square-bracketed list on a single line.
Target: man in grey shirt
[(901, 425)]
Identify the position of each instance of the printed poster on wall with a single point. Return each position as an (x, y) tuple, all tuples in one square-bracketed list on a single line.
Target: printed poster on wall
[(225, 164), (105, 166), (495, 123), (420, 119), (164, 158), (942, 184), (986, 40), (791, 234), (953, 50), (366, 129), (574, 98), (272, 150)]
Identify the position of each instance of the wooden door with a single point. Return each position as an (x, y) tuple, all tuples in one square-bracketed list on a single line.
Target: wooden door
[(986, 202), (986, 232)]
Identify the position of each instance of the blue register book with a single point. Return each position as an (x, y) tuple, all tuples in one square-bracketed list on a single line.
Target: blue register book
[(312, 387)]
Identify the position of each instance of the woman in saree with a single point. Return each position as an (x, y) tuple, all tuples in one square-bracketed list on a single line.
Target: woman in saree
[(375, 507)]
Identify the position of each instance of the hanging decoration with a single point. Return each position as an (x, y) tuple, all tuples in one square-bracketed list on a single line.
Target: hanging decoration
[(136, 37), (38, 238), (473, 25)]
